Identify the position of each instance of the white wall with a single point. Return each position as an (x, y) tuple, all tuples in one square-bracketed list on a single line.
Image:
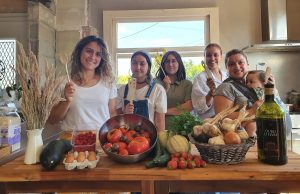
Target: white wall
[(240, 22)]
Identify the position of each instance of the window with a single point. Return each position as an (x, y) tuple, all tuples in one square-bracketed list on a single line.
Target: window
[(7, 63), (186, 31)]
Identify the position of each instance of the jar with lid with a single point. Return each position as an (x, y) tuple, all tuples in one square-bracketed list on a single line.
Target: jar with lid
[(10, 126)]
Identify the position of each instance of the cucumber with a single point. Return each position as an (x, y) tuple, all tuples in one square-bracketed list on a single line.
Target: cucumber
[(53, 153), (152, 163), (161, 158), (164, 158)]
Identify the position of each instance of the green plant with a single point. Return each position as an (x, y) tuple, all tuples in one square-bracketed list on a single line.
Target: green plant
[(183, 124), (15, 87)]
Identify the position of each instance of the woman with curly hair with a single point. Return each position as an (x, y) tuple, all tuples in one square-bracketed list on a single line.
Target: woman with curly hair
[(90, 95)]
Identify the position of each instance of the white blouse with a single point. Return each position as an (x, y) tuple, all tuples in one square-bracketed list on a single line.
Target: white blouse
[(199, 92)]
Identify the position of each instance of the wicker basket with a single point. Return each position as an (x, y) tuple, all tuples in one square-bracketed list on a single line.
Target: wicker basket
[(223, 154)]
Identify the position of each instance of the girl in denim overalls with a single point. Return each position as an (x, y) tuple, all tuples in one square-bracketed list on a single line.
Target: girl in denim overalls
[(150, 98)]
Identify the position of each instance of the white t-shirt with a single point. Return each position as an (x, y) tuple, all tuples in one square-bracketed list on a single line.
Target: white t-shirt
[(157, 101), (89, 108), (199, 92)]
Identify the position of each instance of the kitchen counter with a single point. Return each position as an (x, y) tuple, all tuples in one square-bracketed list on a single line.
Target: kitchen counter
[(109, 176), (50, 132)]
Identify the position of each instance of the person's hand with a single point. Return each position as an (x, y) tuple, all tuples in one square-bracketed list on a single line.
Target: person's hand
[(69, 91), (271, 80), (255, 106), (211, 84), (129, 108), (167, 82)]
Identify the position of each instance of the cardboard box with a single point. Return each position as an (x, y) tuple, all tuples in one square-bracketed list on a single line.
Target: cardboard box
[(5, 151)]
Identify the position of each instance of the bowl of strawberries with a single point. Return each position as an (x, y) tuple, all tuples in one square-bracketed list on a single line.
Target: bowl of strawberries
[(127, 138), (84, 140)]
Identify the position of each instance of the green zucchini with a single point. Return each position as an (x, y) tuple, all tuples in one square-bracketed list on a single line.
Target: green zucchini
[(152, 163), (164, 158), (54, 152)]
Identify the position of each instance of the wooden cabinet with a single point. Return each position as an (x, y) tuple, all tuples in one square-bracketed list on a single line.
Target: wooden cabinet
[(293, 15)]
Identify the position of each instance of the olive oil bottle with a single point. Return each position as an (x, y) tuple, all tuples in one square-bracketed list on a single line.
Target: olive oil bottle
[(271, 130)]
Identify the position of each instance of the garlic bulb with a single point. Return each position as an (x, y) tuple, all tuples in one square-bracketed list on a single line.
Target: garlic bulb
[(198, 130), (243, 133), (218, 140), (211, 130), (228, 124)]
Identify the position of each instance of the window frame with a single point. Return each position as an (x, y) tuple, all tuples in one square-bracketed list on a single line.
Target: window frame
[(111, 18)]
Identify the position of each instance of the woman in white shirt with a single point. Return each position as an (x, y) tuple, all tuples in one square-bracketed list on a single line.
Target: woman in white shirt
[(150, 98), (90, 95), (206, 82)]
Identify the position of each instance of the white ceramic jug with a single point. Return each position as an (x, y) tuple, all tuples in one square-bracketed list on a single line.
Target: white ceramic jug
[(34, 146)]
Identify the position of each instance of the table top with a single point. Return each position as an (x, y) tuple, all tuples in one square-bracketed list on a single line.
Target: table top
[(250, 169)]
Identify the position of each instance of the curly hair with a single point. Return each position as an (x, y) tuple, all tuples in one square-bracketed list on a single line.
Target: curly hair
[(104, 70), (180, 74)]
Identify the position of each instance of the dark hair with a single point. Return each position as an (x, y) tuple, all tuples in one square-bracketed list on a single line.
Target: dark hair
[(212, 45), (180, 74), (146, 55), (104, 70), (234, 52), (261, 74)]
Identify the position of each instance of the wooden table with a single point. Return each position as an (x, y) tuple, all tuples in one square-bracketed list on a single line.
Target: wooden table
[(109, 176)]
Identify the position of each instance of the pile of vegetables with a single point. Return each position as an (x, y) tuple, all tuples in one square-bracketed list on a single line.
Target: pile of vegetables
[(168, 144), (220, 130), (183, 160), (174, 152)]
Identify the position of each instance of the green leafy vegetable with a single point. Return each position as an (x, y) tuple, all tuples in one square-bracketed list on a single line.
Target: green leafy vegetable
[(183, 124)]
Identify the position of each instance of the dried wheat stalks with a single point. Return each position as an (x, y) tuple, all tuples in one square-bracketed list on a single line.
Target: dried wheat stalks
[(39, 88)]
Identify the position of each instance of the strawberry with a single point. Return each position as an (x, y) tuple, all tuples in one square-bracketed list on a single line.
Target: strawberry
[(197, 162), (184, 155), (175, 155), (190, 156), (202, 163), (197, 156), (175, 159), (182, 164), (172, 165), (191, 164)]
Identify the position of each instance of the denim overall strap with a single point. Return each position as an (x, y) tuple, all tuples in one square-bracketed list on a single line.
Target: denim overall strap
[(140, 106), (150, 89), (126, 91)]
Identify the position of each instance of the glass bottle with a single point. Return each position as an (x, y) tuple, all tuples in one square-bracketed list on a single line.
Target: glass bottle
[(271, 130)]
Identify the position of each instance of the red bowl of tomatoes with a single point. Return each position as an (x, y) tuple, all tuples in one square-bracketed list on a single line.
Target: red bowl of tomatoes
[(128, 138)]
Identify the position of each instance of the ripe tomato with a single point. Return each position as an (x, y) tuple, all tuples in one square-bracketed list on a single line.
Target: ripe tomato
[(123, 152), (123, 129), (130, 135), (114, 135), (145, 133), (121, 145), (138, 145), (107, 145)]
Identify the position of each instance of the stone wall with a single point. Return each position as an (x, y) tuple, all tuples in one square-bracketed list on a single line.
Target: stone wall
[(42, 32)]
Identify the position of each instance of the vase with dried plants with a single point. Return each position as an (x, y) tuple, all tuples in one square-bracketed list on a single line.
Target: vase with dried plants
[(40, 85)]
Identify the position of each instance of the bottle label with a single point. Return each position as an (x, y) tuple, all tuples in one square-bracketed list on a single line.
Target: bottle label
[(269, 91), (271, 140)]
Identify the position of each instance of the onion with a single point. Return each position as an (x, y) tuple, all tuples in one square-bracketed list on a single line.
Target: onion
[(232, 138)]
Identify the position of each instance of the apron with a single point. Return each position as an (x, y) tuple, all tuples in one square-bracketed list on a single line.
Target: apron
[(140, 106)]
